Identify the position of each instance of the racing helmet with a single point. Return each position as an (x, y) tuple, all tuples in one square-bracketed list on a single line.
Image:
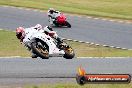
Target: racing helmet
[(20, 33), (51, 10)]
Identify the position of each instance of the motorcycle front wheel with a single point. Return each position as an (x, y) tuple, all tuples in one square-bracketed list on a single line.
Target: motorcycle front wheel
[(40, 49)]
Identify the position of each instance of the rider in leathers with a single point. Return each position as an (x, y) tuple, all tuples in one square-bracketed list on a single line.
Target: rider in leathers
[(53, 14), (24, 34)]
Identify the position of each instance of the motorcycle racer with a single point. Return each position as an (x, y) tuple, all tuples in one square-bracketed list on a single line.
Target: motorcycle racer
[(53, 14), (24, 35)]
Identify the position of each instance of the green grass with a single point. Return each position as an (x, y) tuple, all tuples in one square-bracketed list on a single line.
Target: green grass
[(10, 46), (85, 86), (103, 8)]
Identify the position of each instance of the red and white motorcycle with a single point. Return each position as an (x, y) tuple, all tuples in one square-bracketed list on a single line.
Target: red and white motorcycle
[(61, 20), (44, 46)]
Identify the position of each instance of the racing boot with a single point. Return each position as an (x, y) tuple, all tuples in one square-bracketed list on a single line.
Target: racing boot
[(59, 41)]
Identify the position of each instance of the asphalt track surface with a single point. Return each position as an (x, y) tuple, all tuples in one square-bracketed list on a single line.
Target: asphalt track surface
[(27, 70), (83, 29)]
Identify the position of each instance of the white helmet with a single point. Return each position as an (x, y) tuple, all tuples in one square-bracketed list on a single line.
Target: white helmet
[(38, 27), (51, 10)]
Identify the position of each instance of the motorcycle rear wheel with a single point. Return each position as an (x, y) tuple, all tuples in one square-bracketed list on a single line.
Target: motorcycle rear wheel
[(69, 53)]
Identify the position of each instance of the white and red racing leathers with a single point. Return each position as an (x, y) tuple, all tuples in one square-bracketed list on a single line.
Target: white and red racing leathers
[(29, 32), (53, 16)]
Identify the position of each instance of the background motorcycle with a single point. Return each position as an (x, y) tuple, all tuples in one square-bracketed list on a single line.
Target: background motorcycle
[(61, 21)]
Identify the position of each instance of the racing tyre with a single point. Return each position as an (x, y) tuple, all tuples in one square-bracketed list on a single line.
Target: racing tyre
[(68, 24), (69, 53)]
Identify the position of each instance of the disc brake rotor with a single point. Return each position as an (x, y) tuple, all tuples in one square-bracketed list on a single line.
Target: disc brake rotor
[(42, 49)]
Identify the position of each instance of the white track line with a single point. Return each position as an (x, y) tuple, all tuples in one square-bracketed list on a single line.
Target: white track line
[(91, 43)]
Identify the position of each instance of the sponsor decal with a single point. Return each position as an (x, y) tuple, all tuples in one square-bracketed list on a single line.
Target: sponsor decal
[(83, 78)]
